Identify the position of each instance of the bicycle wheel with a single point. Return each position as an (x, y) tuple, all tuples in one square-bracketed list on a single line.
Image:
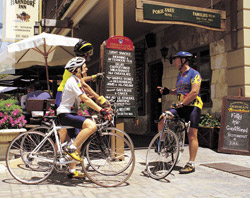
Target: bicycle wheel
[(110, 159), (120, 133), (161, 158), (30, 158)]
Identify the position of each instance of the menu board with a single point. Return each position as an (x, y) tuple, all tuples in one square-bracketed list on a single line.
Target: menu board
[(235, 126), (118, 66)]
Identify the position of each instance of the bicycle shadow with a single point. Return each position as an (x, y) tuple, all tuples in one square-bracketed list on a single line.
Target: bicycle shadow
[(61, 178)]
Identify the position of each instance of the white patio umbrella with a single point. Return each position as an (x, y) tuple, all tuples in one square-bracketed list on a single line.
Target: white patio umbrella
[(6, 89), (43, 49)]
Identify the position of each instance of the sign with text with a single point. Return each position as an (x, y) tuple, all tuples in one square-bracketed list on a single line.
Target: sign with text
[(157, 12), (118, 65), (235, 126), (19, 19)]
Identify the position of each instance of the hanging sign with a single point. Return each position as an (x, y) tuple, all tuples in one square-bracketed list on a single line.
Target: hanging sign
[(118, 66), (166, 13), (19, 18)]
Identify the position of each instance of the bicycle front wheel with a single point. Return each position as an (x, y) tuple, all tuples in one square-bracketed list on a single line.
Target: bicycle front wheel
[(162, 155), (30, 157), (110, 159)]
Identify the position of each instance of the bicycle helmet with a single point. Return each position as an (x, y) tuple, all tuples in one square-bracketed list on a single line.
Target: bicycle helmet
[(74, 63), (83, 47), (181, 55)]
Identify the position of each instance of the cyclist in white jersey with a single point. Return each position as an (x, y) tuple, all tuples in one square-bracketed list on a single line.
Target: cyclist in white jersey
[(73, 94)]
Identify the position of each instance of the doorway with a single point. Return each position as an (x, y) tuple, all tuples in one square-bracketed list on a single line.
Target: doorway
[(155, 79)]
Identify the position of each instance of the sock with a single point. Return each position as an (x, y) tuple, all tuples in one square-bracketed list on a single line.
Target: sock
[(192, 163), (72, 170), (72, 147)]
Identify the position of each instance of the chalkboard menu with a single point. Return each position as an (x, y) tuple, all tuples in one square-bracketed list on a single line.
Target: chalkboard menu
[(235, 126), (118, 66)]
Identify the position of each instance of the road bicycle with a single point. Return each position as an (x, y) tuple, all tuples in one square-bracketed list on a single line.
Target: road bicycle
[(166, 146), (108, 154)]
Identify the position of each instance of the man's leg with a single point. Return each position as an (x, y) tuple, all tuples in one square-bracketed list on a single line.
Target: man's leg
[(193, 143), (89, 127), (193, 148)]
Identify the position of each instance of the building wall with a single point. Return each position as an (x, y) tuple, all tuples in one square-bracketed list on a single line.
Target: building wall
[(230, 66), (246, 41)]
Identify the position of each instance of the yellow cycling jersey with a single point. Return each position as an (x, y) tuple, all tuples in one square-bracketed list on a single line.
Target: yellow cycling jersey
[(184, 83), (66, 76)]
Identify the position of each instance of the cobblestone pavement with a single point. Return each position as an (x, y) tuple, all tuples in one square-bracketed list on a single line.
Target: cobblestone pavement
[(204, 182)]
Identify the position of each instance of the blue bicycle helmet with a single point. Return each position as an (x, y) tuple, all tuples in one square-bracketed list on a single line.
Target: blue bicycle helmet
[(181, 55)]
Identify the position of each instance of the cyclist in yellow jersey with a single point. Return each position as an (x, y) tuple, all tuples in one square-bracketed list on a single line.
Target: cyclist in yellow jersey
[(83, 49), (189, 103)]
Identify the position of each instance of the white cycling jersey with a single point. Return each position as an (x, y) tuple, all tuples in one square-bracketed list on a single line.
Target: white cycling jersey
[(70, 96)]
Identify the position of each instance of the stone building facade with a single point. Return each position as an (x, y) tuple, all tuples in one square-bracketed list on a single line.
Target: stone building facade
[(229, 58)]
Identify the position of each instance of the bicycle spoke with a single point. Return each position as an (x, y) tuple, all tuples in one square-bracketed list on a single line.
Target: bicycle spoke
[(108, 164), (161, 159)]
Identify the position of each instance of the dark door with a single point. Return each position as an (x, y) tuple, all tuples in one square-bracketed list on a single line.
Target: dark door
[(155, 79)]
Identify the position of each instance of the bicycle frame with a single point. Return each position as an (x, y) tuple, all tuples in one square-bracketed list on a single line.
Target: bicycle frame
[(53, 130)]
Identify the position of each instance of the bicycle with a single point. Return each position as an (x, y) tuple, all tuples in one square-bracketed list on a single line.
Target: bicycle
[(32, 156), (166, 146)]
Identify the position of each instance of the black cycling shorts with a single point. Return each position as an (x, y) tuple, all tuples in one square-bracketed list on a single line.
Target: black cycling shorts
[(189, 113)]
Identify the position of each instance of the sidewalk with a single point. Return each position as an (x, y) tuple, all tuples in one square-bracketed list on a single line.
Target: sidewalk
[(204, 182)]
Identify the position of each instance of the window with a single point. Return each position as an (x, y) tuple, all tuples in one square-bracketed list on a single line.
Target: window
[(202, 64)]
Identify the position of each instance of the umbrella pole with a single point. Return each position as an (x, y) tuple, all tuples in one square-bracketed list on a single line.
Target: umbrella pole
[(46, 64), (47, 72)]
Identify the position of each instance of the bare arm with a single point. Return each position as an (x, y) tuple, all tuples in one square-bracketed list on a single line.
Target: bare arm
[(87, 78), (90, 103), (88, 89), (173, 91)]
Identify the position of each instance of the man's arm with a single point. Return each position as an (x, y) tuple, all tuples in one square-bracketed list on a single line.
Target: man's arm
[(93, 77), (90, 103), (173, 91), (88, 89)]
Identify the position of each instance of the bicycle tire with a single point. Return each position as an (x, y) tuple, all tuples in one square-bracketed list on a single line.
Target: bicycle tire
[(120, 133), (111, 168), (160, 163), (95, 144), (26, 167)]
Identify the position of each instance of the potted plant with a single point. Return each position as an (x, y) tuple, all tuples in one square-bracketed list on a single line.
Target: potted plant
[(208, 131), (12, 122)]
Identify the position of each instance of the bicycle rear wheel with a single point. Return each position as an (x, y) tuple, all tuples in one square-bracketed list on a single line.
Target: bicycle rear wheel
[(110, 159), (30, 158), (162, 156)]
